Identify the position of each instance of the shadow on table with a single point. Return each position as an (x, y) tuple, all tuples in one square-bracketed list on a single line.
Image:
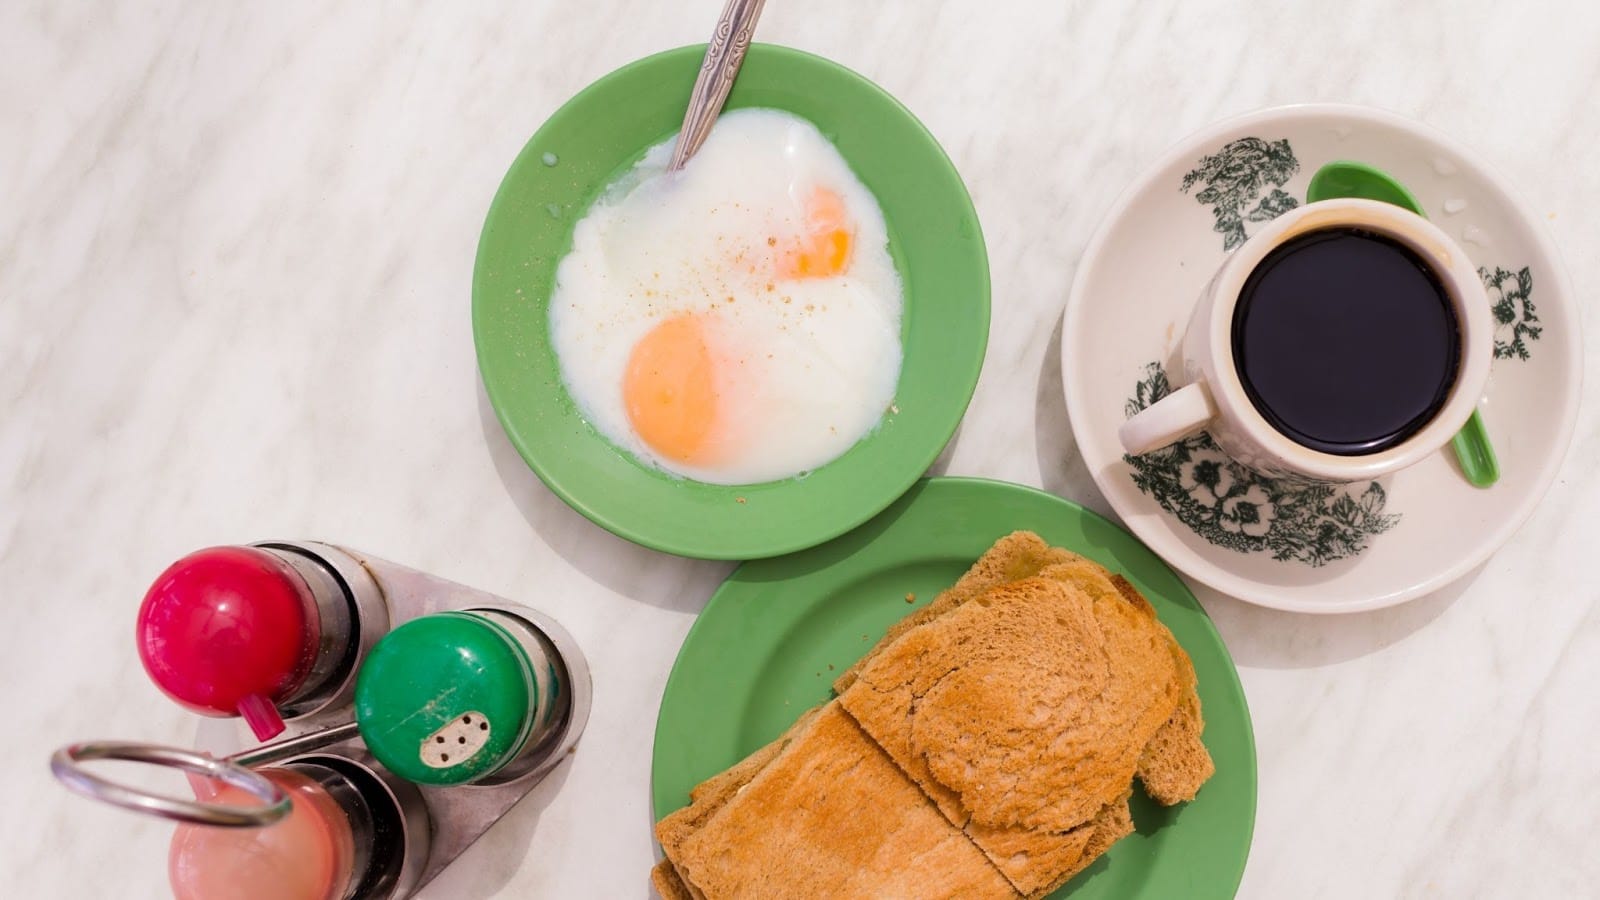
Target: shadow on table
[(659, 579), (1061, 468), (1274, 639), (489, 864), (941, 463)]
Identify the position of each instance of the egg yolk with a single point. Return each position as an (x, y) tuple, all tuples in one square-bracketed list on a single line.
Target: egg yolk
[(669, 390), (824, 250)]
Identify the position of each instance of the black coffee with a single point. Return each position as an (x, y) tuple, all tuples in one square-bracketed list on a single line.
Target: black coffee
[(1346, 341)]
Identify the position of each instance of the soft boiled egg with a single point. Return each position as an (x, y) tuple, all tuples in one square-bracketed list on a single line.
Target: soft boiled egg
[(738, 321)]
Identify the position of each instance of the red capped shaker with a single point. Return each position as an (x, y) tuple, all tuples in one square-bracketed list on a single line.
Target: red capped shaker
[(264, 632)]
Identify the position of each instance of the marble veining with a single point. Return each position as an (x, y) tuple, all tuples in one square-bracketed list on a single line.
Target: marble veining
[(236, 247)]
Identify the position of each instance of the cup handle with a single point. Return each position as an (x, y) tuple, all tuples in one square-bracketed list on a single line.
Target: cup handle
[(1173, 418)]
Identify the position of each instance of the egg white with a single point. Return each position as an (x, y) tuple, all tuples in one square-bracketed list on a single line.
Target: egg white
[(811, 364)]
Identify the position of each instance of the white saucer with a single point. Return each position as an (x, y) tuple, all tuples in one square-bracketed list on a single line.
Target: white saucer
[(1320, 549)]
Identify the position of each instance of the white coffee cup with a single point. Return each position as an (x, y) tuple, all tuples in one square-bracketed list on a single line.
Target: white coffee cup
[(1213, 398)]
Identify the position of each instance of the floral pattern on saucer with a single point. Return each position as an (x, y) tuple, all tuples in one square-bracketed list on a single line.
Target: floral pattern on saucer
[(1229, 504), (1510, 294), (1235, 176), (1236, 507)]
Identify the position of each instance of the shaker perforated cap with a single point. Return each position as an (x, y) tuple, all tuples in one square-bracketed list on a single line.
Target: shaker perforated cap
[(446, 699)]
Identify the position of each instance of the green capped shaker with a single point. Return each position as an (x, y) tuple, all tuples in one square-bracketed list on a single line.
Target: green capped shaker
[(461, 697)]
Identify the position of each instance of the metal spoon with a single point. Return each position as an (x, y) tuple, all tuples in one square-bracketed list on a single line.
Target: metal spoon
[(724, 56), (1343, 178)]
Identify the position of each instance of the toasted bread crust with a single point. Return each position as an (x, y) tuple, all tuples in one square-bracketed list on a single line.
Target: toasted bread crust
[(1175, 763), (1114, 823), (664, 878)]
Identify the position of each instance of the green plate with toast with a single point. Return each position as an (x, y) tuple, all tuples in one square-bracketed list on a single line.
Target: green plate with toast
[(934, 241), (775, 635)]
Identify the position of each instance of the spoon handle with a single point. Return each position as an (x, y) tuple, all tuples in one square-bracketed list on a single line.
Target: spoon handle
[(1475, 453), (724, 56)]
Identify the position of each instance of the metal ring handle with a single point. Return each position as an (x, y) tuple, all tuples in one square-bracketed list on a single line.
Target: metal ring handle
[(65, 765)]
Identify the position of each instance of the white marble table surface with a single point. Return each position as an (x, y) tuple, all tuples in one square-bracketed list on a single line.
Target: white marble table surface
[(236, 245)]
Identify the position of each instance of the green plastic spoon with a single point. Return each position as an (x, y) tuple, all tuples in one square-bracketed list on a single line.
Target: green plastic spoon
[(1474, 453)]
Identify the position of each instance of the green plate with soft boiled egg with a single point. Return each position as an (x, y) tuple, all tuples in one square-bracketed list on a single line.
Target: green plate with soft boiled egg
[(728, 390)]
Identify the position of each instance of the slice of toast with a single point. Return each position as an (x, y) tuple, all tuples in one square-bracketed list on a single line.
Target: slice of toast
[(709, 796), (1030, 860), (705, 799), (1023, 710), (826, 815), (1014, 557), (664, 878), (1114, 823), (1175, 763)]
